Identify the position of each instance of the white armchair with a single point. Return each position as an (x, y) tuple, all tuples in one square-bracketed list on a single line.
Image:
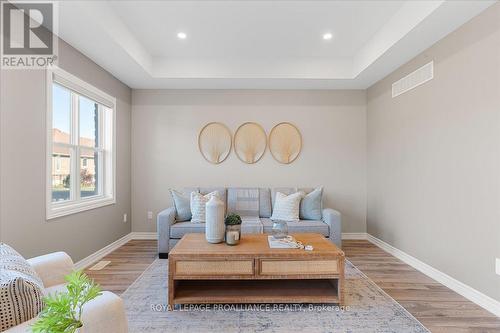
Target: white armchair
[(105, 314)]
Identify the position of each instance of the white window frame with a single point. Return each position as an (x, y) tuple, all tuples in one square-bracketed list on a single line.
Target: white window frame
[(107, 171)]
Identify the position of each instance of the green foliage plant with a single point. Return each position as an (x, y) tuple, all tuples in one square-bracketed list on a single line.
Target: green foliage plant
[(233, 219), (63, 311)]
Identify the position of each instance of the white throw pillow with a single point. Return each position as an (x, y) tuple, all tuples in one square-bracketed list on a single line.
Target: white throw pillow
[(198, 202), (286, 207)]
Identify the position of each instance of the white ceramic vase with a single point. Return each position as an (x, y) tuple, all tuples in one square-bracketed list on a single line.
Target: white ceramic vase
[(214, 226)]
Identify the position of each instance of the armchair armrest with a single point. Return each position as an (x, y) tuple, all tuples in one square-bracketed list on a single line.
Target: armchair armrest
[(334, 220), (164, 220), (105, 314), (52, 267)]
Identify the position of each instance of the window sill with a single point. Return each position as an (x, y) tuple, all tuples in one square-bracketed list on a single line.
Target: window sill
[(59, 210)]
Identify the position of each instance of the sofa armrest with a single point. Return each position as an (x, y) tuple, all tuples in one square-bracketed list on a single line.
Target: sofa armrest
[(52, 267), (105, 314), (164, 220), (334, 221)]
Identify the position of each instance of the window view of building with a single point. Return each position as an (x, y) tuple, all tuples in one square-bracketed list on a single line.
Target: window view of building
[(61, 164)]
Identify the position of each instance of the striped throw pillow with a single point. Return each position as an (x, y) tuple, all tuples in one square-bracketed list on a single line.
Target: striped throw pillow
[(286, 207), (21, 290)]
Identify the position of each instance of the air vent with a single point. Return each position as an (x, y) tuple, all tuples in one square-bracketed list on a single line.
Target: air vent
[(413, 80)]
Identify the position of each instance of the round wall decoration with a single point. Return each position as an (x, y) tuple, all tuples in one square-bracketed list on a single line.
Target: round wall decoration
[(285, 143), (215, 142), (250, 142)]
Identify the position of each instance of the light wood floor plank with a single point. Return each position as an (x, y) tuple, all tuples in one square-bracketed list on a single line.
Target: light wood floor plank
[(440, 309)]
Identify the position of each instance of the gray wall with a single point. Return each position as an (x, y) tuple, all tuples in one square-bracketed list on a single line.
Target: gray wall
[(434, 157), (22, 165), (165, 126)]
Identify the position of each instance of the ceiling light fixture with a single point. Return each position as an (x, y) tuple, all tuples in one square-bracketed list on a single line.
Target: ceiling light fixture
[(327, 36), (181, 35)]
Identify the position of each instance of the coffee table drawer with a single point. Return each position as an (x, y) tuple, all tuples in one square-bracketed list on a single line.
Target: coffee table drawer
[(214, 267), (298, 267)]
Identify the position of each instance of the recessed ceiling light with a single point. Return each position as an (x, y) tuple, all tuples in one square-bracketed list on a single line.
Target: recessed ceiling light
[(327, 36), (181, 35)]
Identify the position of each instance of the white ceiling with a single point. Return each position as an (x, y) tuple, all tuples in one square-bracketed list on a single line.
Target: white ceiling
[(254, 29), (257, 44)]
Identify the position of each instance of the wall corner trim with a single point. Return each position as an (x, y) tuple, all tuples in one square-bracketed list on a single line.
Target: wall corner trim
[(466, 291)]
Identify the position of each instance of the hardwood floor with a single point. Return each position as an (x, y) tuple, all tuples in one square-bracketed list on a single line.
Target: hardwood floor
[(127, 264), (437, 307), (434, 305)]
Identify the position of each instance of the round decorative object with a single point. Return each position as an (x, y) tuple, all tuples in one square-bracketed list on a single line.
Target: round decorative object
[(280, 229), (285, 143), (250, 142), (214, 142), (214, 225)]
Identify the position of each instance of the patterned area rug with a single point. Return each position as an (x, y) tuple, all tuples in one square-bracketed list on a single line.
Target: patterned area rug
[(368, 309)]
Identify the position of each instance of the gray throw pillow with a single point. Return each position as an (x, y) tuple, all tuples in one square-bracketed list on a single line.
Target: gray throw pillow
[(312, 205), (182, 204)]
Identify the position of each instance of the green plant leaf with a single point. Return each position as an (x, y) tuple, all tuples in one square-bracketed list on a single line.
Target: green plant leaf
[(63, 311), (233, 219)]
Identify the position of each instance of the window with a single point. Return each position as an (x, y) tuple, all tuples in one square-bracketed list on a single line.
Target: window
[(80, 145), (58, 162)]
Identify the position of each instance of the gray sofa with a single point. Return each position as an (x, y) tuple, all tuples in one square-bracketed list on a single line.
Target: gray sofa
[(171, 231)]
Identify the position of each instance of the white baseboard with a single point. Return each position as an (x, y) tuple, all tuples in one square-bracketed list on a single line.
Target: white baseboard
[(466, 291), (354, 235), (96, 256), (143, 235)]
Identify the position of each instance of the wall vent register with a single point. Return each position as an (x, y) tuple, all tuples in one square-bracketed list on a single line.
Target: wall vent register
[(413, 80)]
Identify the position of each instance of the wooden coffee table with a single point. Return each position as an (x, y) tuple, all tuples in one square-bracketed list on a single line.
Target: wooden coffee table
[(251, 272)]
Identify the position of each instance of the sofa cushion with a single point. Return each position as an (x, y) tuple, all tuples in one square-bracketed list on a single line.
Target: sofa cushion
[(286, 207), (221, 192), (250, 225), (198, 206), (284, 190), (265, 209), (21, 289), (179, 229), (22, 328), (243, 201), (311, 205), (58, 288), (182, 205), (301, 226)]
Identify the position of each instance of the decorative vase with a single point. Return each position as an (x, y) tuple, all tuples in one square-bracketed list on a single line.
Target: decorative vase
[(233, 234), (280, 229), (214, 226)]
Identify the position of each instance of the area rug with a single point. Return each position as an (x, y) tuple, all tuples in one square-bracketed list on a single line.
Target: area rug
[(367, 309)]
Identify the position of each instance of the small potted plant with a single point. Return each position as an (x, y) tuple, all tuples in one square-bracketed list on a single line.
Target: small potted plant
[(233, 229), (63, 310)]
